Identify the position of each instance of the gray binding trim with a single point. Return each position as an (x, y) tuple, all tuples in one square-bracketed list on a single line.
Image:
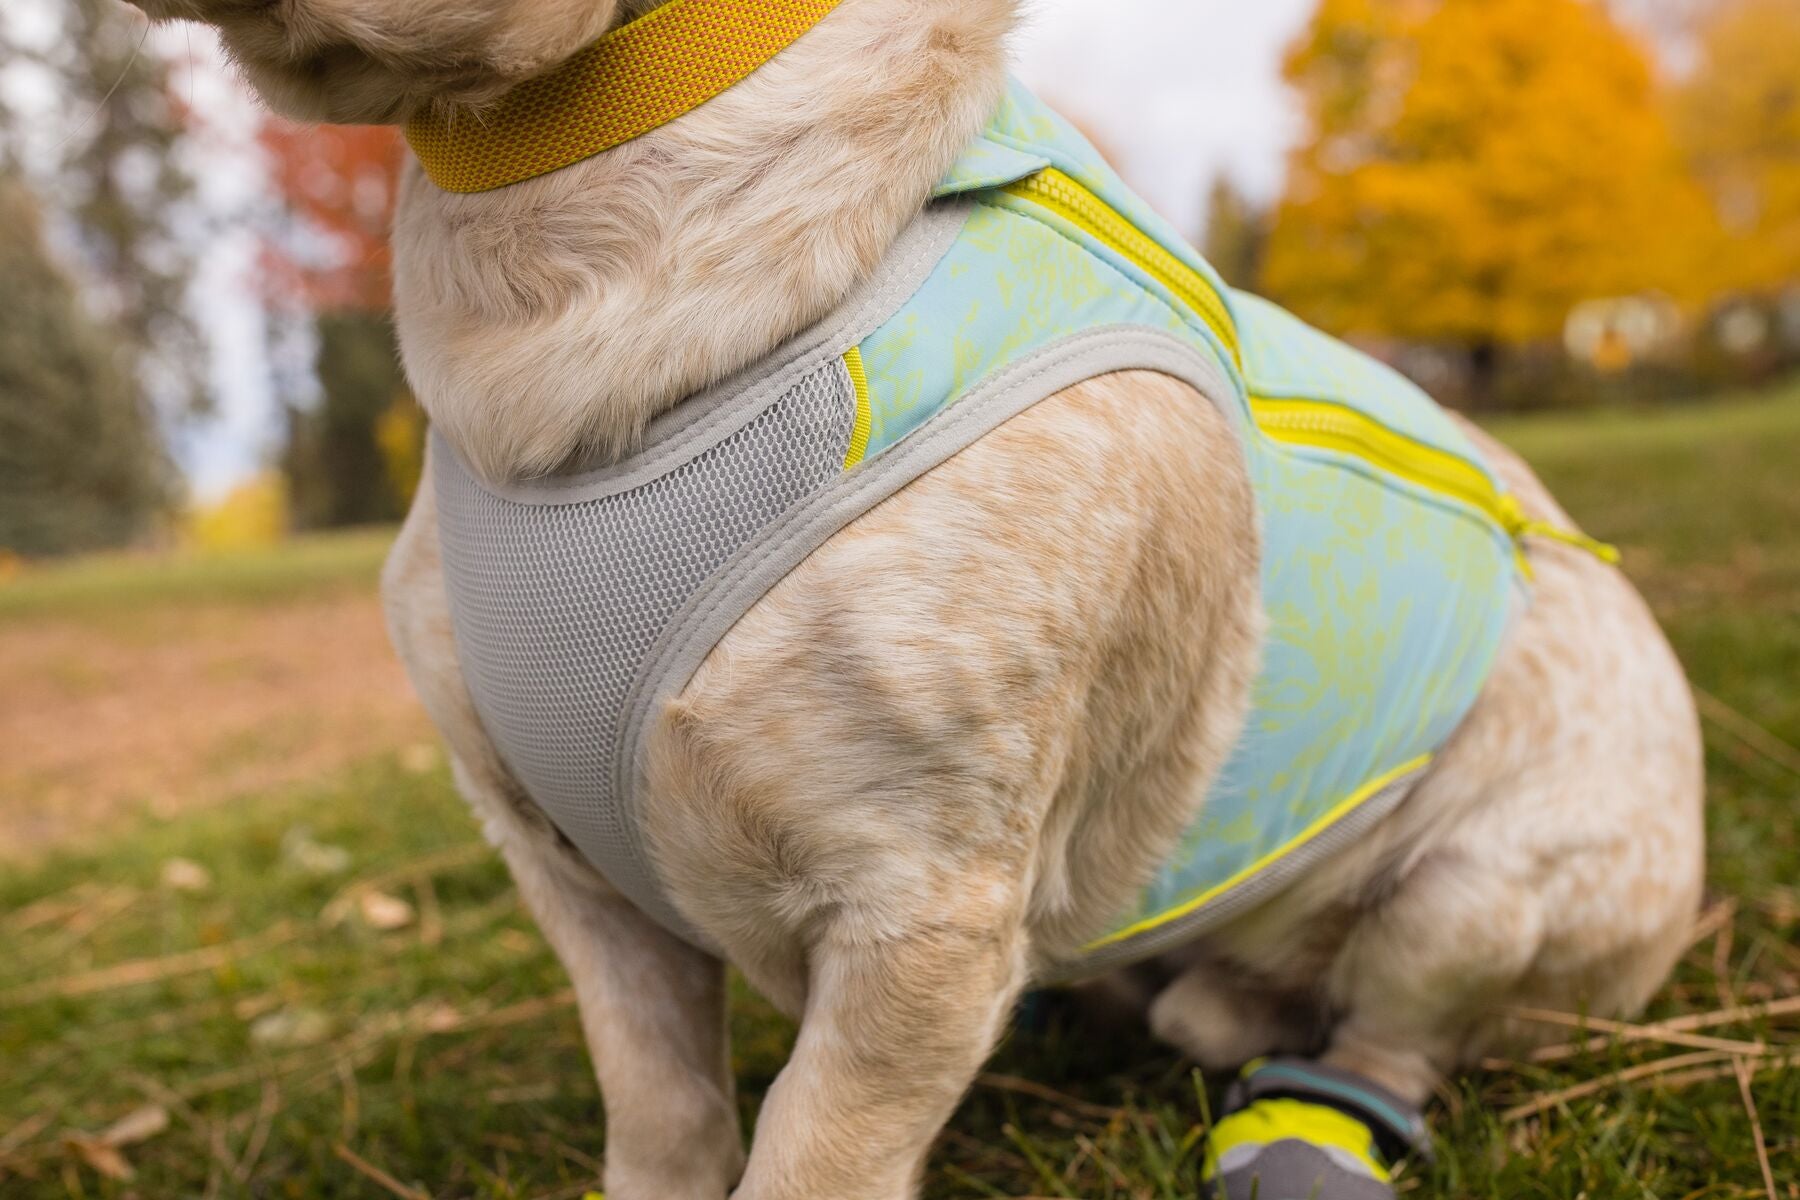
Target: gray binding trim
[(1259, 888), (771, 556), (704, 420)]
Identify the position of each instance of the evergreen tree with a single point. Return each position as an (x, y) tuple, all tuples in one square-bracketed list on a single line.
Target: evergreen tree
[(1237, 234), (129, 193), (337, 471), (80, 464), (110, 163)]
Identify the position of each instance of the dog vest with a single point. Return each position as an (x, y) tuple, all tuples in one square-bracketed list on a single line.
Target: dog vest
[(1391, 569)]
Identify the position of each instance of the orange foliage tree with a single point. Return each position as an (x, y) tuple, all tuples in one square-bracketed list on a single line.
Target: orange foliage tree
[(355, 456), (1740, 119), (340, 183), (1475, 169)]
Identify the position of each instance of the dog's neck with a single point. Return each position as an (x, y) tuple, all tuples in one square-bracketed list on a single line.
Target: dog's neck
[(547, 323)]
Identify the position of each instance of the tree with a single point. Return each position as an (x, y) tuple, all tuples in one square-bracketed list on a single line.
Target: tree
[(1740, 121), (80, 464), (1237, 234), (112, 162), (353, 455), (1476, 168), (341, 183), (337, 471)]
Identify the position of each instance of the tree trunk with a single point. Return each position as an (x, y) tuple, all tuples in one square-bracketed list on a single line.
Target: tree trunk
[(1484, 376)]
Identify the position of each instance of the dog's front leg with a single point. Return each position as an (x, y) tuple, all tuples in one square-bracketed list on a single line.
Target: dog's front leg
[(894, 1030), (653, 1009)]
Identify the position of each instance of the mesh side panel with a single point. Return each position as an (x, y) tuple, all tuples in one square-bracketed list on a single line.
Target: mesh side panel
[(556, 605)]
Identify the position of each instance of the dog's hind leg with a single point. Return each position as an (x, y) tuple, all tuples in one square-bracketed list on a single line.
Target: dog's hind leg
[(653, 1008), (1222, 1021), (896, 1025), (1552, 858)]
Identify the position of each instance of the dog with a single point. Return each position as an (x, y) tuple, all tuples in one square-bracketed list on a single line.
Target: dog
[(893, 839)]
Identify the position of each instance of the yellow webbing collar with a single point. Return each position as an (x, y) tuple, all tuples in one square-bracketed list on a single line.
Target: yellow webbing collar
[(640, 76)]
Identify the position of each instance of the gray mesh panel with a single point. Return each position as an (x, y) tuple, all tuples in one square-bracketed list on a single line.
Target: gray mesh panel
[(556, 604)]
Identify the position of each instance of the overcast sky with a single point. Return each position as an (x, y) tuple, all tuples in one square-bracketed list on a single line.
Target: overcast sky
[(1177, 90)]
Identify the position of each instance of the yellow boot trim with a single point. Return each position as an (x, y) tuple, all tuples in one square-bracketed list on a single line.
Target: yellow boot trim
[(637, 78), (1269, 1121)]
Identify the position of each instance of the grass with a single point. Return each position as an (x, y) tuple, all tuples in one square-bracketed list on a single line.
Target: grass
[(114, 583), (274, 1024)]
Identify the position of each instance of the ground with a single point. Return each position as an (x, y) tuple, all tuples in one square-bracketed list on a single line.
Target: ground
[(254, 946)]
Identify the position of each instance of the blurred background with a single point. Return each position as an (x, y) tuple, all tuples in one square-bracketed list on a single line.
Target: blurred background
[(1524, 205), (1578, 220)]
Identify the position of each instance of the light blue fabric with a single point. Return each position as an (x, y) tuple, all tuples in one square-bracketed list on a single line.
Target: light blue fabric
[(1387, 603)]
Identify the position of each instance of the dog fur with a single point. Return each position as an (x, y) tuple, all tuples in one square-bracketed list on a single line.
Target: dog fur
[(915, 773)]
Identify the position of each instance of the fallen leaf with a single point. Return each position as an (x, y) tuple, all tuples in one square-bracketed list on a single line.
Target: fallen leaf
[(382, 911), (185, 875), (291, 1027), (439, 1018), (300, 851), (104, 1159), (419, 759), (137, 1126), (517, 941)]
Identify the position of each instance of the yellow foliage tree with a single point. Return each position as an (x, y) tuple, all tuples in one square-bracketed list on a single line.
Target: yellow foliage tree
[(1475, 169), (252, 515), (400, 434), (1740, 119)]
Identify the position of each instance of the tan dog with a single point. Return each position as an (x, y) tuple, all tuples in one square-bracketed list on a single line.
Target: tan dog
[(1552, 856)]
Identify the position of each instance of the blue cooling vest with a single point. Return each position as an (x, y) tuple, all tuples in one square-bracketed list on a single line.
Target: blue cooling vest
[(584, 602)]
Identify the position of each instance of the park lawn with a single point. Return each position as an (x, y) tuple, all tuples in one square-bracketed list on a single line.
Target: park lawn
[(306, 1035), (113, 584)]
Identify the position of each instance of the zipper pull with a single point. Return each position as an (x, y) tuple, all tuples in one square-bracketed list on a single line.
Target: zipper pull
[(1520, 526)]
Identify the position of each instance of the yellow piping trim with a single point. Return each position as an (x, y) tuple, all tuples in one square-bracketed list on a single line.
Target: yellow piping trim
[(1343, 809), (635, 79), (865, 415), (1052, 190)]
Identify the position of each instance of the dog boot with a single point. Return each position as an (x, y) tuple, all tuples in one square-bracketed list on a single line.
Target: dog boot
[(1299, 1130)]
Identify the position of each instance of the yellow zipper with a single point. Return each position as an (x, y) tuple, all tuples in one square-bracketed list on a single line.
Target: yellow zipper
[(1052, 190), (1343, 430), (1326, 426), (1311, 423), (1300, 422)]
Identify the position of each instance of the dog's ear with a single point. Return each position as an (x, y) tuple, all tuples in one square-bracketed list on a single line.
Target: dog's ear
[(379, 61)]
